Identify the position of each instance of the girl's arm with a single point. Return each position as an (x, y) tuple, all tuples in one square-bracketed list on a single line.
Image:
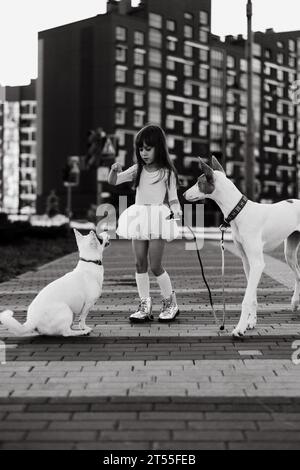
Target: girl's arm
[(173, 197), (117, 176)]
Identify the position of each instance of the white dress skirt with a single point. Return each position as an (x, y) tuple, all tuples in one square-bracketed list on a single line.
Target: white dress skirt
[(147, 222)]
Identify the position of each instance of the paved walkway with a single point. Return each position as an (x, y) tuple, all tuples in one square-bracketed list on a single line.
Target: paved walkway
[(157, 386)]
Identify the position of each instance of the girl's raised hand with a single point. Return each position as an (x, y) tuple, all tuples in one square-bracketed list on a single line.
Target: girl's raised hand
[(116, 167)]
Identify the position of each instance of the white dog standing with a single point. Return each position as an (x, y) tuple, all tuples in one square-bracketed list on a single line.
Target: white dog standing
[(53, 309), (257, 228)]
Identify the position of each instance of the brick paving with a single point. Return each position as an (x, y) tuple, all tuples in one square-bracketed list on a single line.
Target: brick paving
[(155, 386)]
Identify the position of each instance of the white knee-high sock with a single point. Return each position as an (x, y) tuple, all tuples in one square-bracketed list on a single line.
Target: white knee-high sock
[(143, 285), (165, 285)]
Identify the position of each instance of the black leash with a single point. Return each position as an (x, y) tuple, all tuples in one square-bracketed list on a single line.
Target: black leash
[(204, 278)]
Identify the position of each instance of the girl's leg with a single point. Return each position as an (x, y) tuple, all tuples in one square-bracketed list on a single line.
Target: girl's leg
[(170, 308), (140, 249), (144, 312), (156, 251)]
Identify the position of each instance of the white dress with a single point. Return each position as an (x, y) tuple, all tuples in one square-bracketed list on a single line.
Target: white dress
[(148, 218)]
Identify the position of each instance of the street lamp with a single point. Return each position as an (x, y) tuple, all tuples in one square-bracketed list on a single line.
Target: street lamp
[(249, 156)]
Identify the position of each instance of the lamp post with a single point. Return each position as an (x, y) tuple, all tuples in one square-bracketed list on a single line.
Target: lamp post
[(249, 156)]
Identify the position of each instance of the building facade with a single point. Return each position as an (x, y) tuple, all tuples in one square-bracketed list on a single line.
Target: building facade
[(18, 127), (120, 71), (276, 117)]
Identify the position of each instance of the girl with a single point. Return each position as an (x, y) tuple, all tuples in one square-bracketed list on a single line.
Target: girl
[(147, 223)]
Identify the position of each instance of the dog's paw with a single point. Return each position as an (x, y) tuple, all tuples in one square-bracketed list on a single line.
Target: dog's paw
[(87, 330), (252, 320), (238, 332)]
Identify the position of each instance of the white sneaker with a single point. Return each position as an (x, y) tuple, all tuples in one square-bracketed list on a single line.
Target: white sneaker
[(169, 309), (144, 312)]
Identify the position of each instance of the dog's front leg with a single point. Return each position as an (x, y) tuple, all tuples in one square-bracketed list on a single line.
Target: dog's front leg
[(249, 305), (83, 315)]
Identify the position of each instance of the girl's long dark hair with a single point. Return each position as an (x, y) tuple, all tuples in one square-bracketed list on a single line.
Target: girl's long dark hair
[(154, 136)]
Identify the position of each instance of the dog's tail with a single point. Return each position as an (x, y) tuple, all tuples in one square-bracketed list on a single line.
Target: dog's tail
[(13, 326)]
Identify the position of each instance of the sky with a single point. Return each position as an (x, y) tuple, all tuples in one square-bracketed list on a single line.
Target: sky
[(22, 19)]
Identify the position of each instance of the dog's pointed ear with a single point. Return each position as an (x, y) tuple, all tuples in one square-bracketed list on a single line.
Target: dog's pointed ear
[(216, 165), (207, 170), (77, 234)]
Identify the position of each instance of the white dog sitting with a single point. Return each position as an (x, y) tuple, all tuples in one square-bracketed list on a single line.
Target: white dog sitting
[(53, 309), (256, 228)]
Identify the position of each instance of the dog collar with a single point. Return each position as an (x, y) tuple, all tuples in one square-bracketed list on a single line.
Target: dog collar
[(98, 262), (235, 212)]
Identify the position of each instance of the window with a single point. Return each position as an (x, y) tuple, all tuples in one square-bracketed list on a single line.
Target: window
[(203, 112), (171, 25), (257, 49), (203, 73), (121, 54), (154, 78), (120, 116), (188, 70), (188, 51), (187, 109), (170, 64), (279, 124), (216, 115), (170, 104), (216, 95), (138, 100), (138, 118), (203, 125), (280, 44), (292, 45), (155, 21), (203, 17), (139, 58), (292, 62), (188, 16), (139, 38), (280, 75), (217, 58), (155, 38), (138, 78), (203, 55), (268, 54), (188, 89), (121, 33), (120, 96), (188, 127), (280, 58), (170, 122), (230, 114), (188, 31), (230, 62), (155, 107), (187, 146), (202, 92), (203, 36), (243, 116), (171, 83), (154, 58), (171, 45), (120, 74)]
